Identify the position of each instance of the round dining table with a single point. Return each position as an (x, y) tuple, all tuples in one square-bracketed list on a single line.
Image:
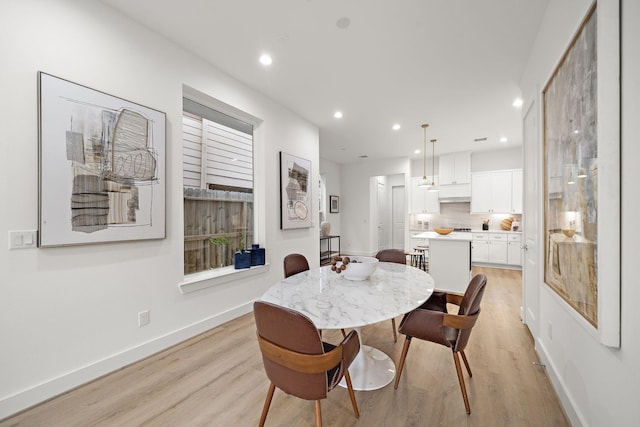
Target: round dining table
[(332, 301)]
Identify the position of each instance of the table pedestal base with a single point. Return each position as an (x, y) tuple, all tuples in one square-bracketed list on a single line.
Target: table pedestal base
[(370, 370)]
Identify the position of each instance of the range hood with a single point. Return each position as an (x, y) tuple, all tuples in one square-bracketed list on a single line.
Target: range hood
[(454, 193), (461, 199)]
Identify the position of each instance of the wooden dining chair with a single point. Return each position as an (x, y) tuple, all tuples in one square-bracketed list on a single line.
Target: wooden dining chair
[(432, 322), (294, 264), (297, 361), (398, 256)]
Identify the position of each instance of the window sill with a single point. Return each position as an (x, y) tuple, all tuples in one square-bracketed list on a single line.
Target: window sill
[(206, 279)]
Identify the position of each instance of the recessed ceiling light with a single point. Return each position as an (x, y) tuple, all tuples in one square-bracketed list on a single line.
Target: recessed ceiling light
[(503, 139), (517, 102), (395, 126), (265, 59), (343, 23), (417, 152), (337, 114)]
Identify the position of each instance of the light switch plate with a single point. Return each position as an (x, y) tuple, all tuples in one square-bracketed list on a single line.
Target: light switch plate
[(23, 239)]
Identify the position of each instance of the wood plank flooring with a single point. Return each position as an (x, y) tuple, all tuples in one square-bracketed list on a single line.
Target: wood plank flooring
[(217, 379)]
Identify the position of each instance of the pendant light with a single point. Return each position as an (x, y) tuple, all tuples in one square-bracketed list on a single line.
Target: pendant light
[(432, 186), (424, 182)]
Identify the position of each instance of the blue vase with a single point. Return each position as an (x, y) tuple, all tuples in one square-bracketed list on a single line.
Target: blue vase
[(257, 255), (241, 259)]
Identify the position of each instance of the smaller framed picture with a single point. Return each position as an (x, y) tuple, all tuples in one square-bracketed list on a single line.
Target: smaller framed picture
[(334, 204)]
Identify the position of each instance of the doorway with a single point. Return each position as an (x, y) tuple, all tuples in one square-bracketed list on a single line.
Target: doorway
[(388, 212)]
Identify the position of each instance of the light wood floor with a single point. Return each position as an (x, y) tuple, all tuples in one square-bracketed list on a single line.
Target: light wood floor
[(217, 379)]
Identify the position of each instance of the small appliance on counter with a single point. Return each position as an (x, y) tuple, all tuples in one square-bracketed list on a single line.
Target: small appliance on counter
[(485, 224)]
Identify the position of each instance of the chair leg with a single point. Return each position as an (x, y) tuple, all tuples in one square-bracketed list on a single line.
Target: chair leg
[(466, 363), (318, 414), (393, 326), (456, 360), (405, 350), (344, 334), (352, 395), (267, 403)]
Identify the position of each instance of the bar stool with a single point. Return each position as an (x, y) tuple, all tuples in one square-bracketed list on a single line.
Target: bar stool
[(417, 258), (423, 250)]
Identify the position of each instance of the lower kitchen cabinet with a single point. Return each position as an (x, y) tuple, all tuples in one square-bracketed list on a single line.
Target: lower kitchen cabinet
[(514, 250), (496, 248), (480, 247)]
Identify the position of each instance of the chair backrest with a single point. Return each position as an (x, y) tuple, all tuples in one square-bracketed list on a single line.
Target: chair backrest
[(294, 264), (392, 255), (469, 306), (296, 332)]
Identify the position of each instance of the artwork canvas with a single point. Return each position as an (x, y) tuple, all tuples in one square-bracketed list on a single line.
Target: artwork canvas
[(101, 166), (295, 192), (571, 175), (334, 204)]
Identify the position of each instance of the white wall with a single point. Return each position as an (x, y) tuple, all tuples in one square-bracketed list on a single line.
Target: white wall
[(331, 172), (69, 314), (356, 203), (598, 385), (507, 158)]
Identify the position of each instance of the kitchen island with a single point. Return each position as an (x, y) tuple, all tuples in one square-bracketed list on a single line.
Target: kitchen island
[(449, 259)]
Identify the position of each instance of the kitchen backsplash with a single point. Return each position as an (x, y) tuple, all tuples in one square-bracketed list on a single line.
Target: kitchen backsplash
[(457, 215)]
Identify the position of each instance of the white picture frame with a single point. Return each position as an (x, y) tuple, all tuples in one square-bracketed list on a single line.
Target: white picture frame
[(101, 166)]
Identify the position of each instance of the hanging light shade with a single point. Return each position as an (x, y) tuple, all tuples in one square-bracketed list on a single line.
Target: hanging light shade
[(433, 186), (424, 182)]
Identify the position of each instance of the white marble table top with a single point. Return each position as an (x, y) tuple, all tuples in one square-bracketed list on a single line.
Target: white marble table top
[(333, 302)]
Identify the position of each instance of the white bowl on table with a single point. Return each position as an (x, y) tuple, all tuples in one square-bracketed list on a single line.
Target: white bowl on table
[(360, 267)]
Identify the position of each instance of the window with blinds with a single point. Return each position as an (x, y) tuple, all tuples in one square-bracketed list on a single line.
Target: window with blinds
[(218, 187)]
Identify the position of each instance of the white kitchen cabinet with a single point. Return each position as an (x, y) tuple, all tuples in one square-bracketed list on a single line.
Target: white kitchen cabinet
[(496, 248), (480, 247), (492, 192), (455, 168), (423, 200), (514, 249), (516, 191)]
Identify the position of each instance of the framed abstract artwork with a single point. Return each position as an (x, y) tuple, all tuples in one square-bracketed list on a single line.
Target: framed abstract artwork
[(582, 173), (295, 192), (101, 166), (334, 204)]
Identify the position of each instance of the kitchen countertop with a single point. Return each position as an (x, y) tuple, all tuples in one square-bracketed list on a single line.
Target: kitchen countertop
[(456, 235)]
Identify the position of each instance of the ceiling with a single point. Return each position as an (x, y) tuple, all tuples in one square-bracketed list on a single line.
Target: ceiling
[(452, 64)]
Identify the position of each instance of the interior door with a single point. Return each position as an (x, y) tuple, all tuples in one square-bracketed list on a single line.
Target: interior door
[(531, 221), (383, 216), (397, 216)]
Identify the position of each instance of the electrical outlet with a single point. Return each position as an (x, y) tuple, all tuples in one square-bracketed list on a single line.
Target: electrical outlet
[(143, 318), (550, 330)]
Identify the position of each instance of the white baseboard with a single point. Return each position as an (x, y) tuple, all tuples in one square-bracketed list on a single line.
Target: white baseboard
[(32, 396), (575, 416)]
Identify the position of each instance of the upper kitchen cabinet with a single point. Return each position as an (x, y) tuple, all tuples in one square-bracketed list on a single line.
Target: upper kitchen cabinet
[(496, 192), (455, 168), (455, 176), (423, 200)]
